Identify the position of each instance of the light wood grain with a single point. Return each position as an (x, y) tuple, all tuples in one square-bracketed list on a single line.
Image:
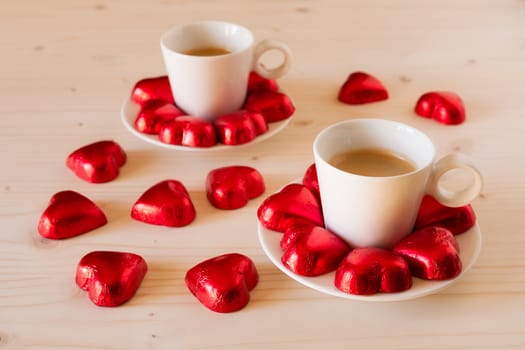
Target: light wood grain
[(67, 66)]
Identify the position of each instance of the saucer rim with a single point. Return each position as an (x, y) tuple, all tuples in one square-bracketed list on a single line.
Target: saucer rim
[(129, 111)]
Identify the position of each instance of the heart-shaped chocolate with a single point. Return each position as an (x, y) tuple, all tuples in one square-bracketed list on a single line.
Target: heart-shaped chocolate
[(432, 213), (155, 88), (97, 162), (294, 203), (153, 114), (311, 250), (273, 105), (70, 214), (431, 252), (360, 88), (188, 131), (259, 122), (311, 181), (167, 203), (223, 283), (110, 278), (258, 83), (366, 271), (231, 187), (443, 106), (240, 127)]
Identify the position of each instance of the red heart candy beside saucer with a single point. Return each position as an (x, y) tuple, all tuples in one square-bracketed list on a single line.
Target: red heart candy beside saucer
[(111, 278), (97, 162), (231, 187), (223, 283), (360, 88), (443, 106), (70, 214), (167, 203)]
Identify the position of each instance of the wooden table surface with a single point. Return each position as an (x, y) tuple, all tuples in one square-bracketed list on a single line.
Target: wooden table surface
[(66, 68)]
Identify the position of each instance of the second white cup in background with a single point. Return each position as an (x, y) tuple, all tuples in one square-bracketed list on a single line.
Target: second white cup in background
[(209, 83)]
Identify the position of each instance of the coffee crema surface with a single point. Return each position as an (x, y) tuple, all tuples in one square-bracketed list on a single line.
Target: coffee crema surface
[(372, 162), (207, 51)]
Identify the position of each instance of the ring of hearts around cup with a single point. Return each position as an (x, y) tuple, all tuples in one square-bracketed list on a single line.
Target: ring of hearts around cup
[(158, 115), (430, 252)]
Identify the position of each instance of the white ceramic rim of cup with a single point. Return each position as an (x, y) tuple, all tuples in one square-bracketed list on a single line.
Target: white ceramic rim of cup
[(372, 133), (233, 37)]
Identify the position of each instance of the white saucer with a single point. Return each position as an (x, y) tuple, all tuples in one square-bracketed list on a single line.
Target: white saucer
[(129, 111), (469, 243)]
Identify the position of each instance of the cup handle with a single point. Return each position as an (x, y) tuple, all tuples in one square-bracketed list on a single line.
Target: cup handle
[(272, 73), (455, 198)]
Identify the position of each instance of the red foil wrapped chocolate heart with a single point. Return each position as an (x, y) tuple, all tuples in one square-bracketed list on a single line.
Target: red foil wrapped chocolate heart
[(188, 131), (259, 122), (167, 203), (294, 203), (240, 127), (223, 283), (153, 114), (311, 250), (432, 213), (110, 278), (97, 162), (258, 83), (360, 88), (311, 181), (231, 187), (273, 105), (443, 106), (70, 214), (431, 252), (156, 88), (366, 271)]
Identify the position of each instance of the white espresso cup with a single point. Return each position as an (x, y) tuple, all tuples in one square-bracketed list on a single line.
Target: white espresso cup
[(378, 211), (213, 85)]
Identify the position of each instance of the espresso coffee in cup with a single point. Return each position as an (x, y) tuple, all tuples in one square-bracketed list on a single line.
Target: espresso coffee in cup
[(207, 51), (372, 162)]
